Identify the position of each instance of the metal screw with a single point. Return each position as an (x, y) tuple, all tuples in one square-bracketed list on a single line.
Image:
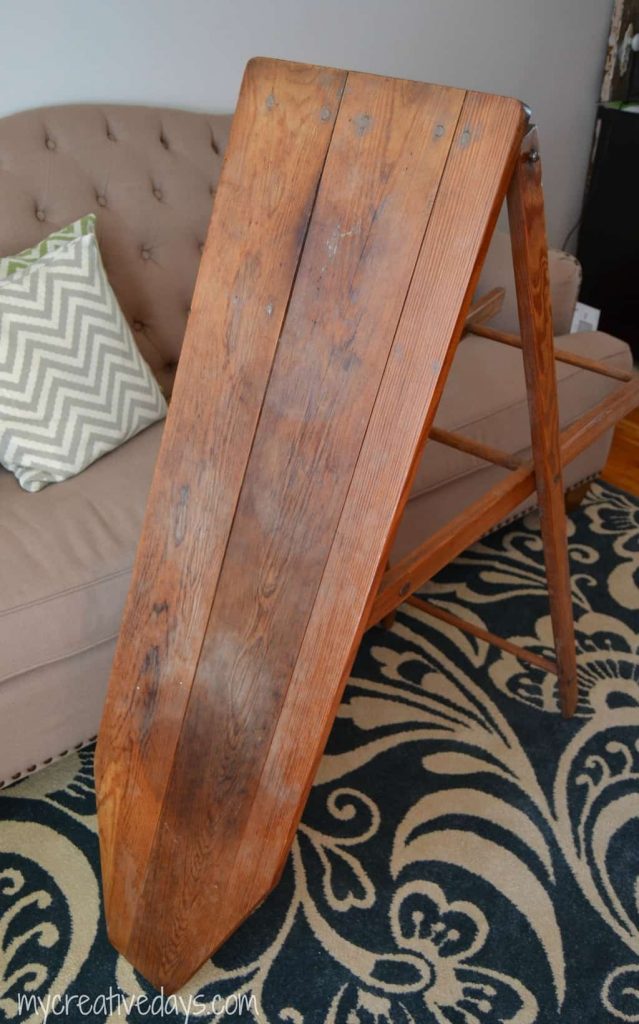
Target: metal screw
[(533, 156), (404, 590)]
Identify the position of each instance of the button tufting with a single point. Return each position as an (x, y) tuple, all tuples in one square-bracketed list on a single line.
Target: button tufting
[(157, 193), (110, 136), (40, 215), (50, 144), (102, 201), (164, 141), (146, 254), (137, 325)]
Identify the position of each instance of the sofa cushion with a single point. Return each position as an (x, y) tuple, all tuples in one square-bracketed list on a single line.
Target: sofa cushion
[(565, 280), (66, 553), (66, 556)]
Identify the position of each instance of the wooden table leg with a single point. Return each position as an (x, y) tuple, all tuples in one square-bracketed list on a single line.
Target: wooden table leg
[(530, 258)]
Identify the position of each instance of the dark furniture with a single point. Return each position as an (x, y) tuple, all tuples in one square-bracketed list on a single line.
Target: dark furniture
[(608, 247)]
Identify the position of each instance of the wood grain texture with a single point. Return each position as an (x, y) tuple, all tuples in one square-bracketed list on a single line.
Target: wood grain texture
[(473, 184), (368, 223), (348, 233), (530, 262), (283, 128), (380, 179)]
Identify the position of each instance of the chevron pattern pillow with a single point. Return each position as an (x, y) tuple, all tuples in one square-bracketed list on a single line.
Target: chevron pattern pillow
[(84, 226), (73, 384)]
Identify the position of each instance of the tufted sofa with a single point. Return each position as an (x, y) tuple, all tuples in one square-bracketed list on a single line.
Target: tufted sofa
[(66, 553)]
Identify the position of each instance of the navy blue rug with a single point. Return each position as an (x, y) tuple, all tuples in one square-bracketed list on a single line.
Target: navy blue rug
[(466, 856)]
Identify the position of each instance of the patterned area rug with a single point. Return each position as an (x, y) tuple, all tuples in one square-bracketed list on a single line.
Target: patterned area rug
[(466, 856)]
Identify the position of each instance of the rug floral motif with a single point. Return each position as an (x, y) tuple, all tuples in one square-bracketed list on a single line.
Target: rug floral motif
[(466, 856)]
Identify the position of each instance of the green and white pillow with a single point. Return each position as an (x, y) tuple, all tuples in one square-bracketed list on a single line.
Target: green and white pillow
[(73, 384), (10, 264)]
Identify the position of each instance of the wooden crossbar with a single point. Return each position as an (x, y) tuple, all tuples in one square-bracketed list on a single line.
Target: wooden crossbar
[(425, 561), (471, 447), (482, 634), (561, 355), (428, 558)]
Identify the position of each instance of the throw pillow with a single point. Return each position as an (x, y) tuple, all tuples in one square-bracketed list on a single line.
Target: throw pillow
[(73, 384), (83, 226)]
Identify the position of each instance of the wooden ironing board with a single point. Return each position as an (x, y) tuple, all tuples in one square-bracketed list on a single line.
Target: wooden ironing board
[(348, 232)]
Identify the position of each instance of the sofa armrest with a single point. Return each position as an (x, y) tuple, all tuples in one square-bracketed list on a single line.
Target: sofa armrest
[(565, 280)]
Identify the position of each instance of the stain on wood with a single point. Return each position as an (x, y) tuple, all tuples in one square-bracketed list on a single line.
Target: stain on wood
[(258, 228)]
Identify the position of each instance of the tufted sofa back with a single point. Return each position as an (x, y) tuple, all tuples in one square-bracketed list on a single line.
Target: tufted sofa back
[(148, 173)]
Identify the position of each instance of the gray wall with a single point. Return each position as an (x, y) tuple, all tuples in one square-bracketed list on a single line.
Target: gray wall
[(191, 53)]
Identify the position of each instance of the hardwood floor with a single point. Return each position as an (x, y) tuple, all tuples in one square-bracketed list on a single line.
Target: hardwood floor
[(622, 468)]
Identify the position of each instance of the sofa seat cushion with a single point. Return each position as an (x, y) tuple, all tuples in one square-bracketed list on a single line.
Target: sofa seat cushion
[(565, 281), (485, 398), (66, 555)]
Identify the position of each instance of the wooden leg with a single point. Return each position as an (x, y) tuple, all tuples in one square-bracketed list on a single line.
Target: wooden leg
[(575, 496), (530, 258)]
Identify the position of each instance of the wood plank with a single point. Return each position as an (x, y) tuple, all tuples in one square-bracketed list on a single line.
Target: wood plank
[(530, 261), (369, 220), (470, 195), (482, 634), (561, 355), (282, 130), (462, 443)]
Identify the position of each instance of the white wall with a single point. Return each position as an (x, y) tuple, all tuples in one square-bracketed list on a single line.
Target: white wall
[(547, 52)]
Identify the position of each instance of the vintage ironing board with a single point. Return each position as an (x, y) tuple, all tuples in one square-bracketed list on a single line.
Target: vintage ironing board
[(348, 232)]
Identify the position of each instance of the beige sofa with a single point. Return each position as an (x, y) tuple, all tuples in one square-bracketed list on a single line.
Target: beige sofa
[(66, 552)]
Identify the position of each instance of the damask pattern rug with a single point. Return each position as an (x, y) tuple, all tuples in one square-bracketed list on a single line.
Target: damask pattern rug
[(466, 856)]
